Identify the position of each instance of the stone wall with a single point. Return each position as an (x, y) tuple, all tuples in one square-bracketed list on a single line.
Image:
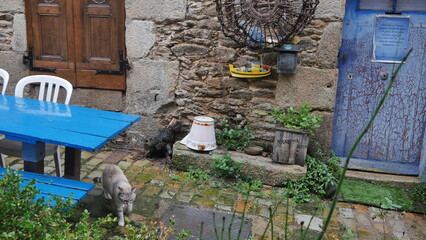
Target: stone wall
[(12, 41), (189, 57), (179, 58)]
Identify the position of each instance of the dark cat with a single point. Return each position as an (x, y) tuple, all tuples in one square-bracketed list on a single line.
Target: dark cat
[(117, 187)]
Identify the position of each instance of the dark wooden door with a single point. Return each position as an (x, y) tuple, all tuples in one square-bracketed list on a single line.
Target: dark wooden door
[(50, 31), (82, 40), (99, 31), (376, 35)]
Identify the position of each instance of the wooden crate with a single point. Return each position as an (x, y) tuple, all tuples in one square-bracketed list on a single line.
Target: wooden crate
[(290, 146)]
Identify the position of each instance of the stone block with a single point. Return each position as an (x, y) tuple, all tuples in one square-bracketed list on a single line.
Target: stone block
[(189, 49), (156, 10), (105, 99), (316, 223), (140, 38), (260, 168), (317, 86), (223, 54), (150, 85), (11, 6), (329, 46), (323, 133), (12, 63), (330, 9), (19, 39)]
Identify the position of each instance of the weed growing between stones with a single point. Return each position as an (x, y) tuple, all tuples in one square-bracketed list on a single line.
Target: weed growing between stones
[(419, 193), (350, 235)]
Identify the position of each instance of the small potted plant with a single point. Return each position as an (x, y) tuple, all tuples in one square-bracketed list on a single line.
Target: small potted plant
[(292, 134)]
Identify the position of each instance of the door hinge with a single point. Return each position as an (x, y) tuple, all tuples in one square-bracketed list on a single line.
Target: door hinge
[(29, 60), (124, 65)]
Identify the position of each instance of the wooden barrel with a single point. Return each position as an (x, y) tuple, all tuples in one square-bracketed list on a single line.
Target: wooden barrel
[(290, 146)]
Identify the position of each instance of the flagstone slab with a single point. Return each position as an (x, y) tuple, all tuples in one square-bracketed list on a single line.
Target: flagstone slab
[(191, 219)]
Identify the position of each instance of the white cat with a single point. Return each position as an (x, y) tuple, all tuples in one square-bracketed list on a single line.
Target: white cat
[(117, 187)]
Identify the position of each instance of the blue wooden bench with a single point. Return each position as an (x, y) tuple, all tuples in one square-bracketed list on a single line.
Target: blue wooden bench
[(50, 186)]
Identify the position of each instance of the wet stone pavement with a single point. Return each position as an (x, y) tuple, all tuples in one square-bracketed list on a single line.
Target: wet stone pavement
[(164, 192)]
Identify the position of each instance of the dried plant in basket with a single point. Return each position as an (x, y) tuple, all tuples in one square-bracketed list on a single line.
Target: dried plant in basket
[(264, 23)]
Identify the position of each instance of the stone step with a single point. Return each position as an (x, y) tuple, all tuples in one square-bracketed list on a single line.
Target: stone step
[(258, 167), (392, 179)]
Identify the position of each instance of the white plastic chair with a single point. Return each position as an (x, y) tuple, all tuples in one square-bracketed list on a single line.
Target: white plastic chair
[(52, 84), (5, 76)]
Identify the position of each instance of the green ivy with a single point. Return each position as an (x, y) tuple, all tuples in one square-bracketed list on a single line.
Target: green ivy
[(237, 138), (301, 118)]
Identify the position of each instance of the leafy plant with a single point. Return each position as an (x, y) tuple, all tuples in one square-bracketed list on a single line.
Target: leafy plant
[(388, 204), (24, 217), (419, 193), (198, 176), (301, 118), (298, 191), (320, 176), (226, 167), (233, 137), (249, 186)]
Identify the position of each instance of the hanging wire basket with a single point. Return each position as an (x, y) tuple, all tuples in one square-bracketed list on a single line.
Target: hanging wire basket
[(264, 23)]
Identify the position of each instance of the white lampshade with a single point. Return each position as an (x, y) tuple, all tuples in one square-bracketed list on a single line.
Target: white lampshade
[(201, 136)]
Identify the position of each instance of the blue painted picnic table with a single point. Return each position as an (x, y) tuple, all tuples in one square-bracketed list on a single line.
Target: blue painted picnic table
[(35, 123), (50, 186)]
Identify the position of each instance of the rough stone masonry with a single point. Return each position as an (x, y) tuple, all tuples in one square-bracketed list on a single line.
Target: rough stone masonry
[(179, 59)]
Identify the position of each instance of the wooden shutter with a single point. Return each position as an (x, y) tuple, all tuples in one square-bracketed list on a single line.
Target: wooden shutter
[(99, 30), (50, 37), (81, 40)]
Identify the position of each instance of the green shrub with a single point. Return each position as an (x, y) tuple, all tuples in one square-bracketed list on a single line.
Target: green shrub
[(23, 217), (230, 138), (301, 118)]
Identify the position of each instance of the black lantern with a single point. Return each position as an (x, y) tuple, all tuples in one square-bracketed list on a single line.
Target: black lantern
[(287, 58)]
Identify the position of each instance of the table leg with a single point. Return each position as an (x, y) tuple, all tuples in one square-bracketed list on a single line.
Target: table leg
[(72, 163), (33, 156)]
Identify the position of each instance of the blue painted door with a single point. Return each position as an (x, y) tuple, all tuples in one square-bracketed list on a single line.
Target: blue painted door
[(376, 34)]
